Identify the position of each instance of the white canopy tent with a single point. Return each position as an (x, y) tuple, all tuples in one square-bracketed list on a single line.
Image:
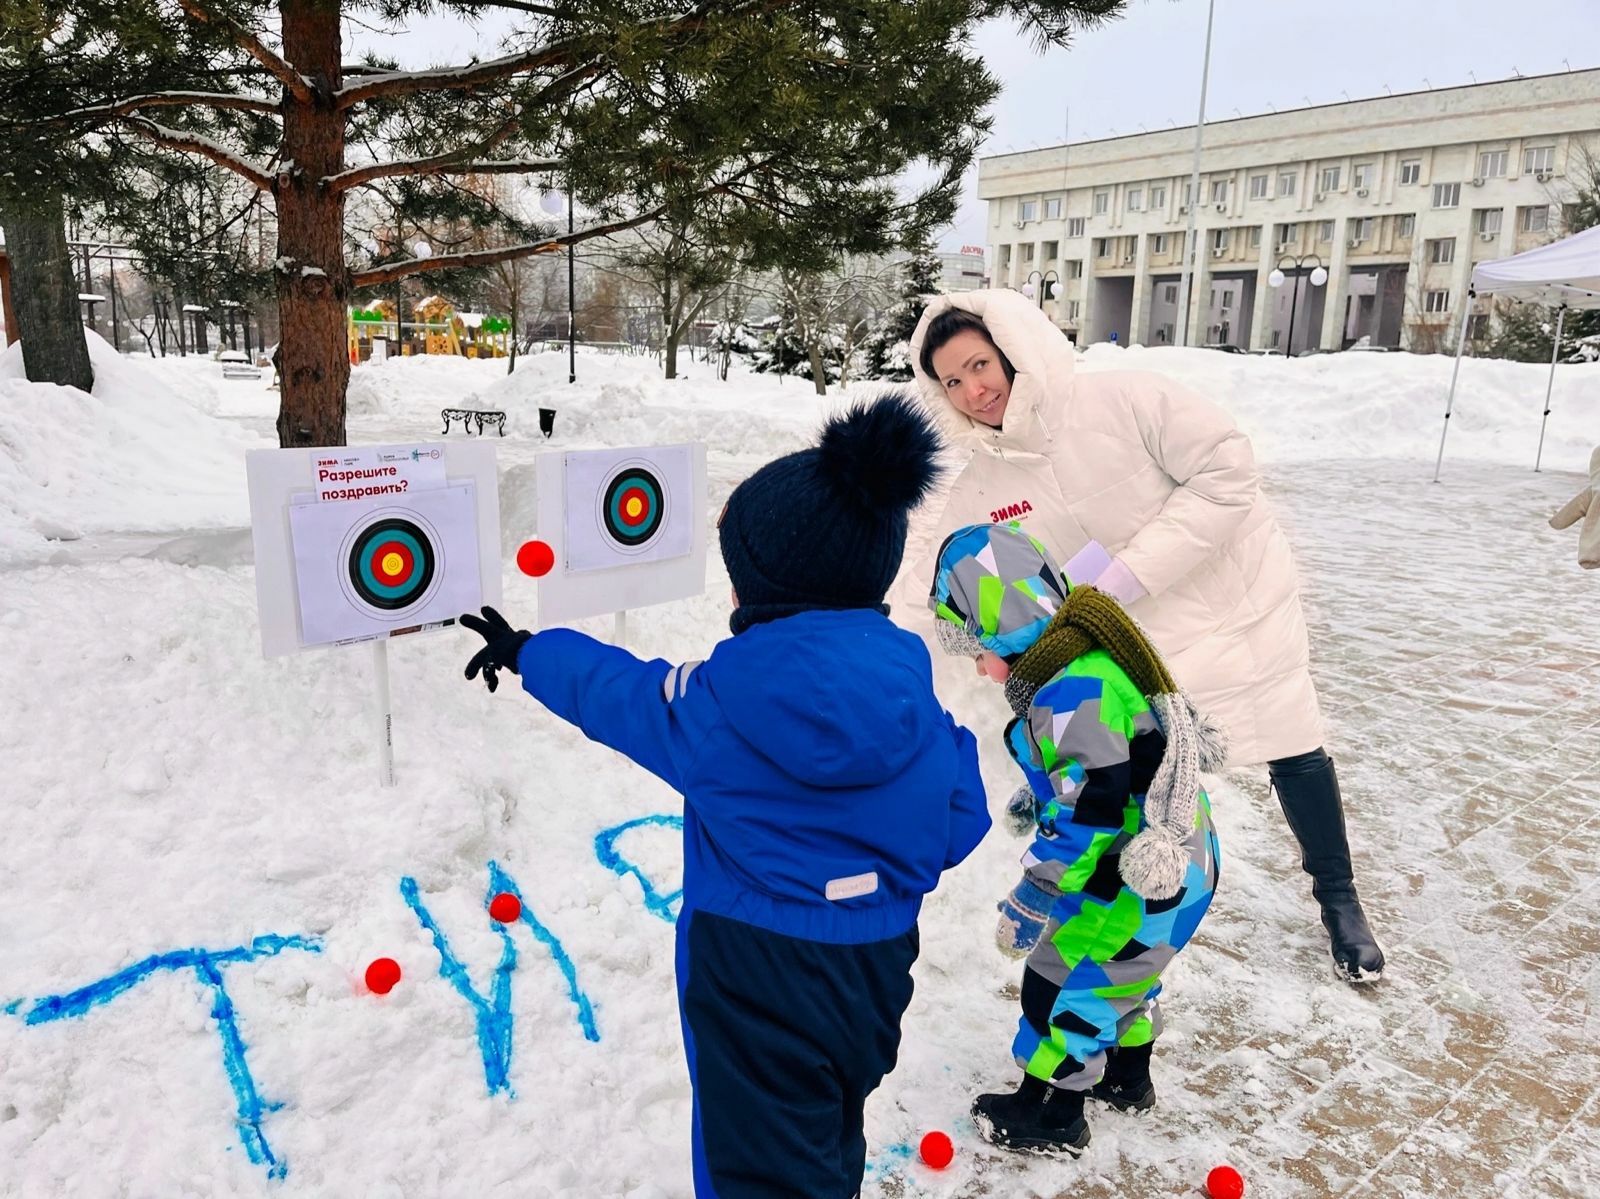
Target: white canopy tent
[(1564, 274)]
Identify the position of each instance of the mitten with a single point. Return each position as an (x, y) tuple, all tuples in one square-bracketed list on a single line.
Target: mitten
[(1585, 505), (1020, 812), (502, 644), (1120, 584), (1023, 914)]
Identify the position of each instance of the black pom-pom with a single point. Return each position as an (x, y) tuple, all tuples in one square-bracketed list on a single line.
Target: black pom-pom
[(881, 454)]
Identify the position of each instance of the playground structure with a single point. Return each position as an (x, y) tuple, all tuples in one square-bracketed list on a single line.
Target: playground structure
[(435, 328)]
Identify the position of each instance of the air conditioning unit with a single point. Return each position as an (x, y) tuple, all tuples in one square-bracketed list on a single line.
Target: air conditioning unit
[(1542, 176), (1182, 208), (1354, 243), (1478, 182), (1321, 196), (1487, 236), (1018, 224), (1361, 191), (1222, 207), (1218, 251)]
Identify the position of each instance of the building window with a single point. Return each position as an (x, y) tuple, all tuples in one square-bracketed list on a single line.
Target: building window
[(1027, 253), (1102, 247), (1005, 257), (1075, 269), (1489, 220), (1437, 301), (1158, 244), (1072, 310), (1259, 186), (1165, 333), (1135, 199), (1535, 219), (1188, 194), (1539, 160), (1407, 225), (1442, 250), (1075, 226), (1286, 183), (1329, 181), (1410, 171), (1255, 237), (1446, 195), (1227, 298), (1052, 251), (1361, 230), (1361, 175), (1219, 241), (1169, 293), (1288, 234), (1102, 203), (1492, 164), (1477, 326), (1325, 231), (1052, 209), (1219, 191), (1028, 210), (1158, 198)]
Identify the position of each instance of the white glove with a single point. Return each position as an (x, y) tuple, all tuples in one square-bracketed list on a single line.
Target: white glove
[(1585, 505)]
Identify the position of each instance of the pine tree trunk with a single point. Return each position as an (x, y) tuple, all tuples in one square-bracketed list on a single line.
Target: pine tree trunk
[(45, 295), (313, 281), (819, 372)]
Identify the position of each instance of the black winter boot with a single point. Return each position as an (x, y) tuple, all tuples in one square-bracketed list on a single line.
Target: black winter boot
[(1308, 791), (1036, 1118), (1126, 1083)]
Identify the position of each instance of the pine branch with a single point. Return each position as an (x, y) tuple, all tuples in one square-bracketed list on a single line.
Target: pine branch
[(447, 161), (193, 143), (298, 85), (475, 258), (439, 164), (219, 100)]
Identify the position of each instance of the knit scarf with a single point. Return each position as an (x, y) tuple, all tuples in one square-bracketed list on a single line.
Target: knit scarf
[(1155, 862)]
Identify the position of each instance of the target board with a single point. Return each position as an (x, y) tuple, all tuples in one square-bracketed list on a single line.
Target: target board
[(627, 507), (627, 527), (415, 549)]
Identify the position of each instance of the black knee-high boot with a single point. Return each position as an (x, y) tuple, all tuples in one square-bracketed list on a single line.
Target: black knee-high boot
[(1308, 791)]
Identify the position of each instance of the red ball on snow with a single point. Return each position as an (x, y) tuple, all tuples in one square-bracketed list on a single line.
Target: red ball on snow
[(1224, 1182), (535, 558), (382, 976), (936, 1150), (505, 907)]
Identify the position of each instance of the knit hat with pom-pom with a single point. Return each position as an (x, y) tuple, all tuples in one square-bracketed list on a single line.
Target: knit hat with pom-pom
[(826, 527)]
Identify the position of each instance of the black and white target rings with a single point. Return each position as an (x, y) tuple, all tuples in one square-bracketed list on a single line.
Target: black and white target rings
[(632, 506), (392, 562)]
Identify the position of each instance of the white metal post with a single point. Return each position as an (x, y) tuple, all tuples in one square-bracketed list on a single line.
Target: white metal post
[(383, 711), (1461, 348), (1555, 353), (1190, 250)]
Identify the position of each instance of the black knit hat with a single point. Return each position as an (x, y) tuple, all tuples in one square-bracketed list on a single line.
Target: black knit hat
[(826, 527)]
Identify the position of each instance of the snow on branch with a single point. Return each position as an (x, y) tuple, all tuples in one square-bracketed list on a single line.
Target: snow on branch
[(194, 143), (446, 262), (439, 164), (168, 100), (297, 84)]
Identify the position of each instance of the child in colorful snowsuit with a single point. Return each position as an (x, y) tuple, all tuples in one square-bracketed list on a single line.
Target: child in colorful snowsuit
[(825, 791), (1124, 859)]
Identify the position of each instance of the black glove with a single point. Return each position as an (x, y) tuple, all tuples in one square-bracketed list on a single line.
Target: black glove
[(504, 643)]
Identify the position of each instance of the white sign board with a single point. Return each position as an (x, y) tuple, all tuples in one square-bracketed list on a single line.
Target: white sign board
[(628, 527), (358, 543)]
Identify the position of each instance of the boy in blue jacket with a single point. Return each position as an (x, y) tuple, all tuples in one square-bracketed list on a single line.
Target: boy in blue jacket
[(825, 791)]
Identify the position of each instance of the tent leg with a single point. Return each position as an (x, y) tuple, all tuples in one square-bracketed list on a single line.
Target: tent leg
[(1461, 348), (1555, 353)]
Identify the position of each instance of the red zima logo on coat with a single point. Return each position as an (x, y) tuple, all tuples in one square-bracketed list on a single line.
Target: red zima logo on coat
[(1010, 512)]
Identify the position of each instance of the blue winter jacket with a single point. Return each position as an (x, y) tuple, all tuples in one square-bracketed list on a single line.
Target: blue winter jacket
[(825, 786)]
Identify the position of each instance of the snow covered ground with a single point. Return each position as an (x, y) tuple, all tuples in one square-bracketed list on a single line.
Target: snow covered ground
[(204, 828)]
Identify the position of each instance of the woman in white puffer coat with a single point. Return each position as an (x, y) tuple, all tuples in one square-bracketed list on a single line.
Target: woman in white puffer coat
[(1167, 484)]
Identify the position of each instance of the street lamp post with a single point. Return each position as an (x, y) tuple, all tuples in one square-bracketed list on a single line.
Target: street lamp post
[(1297, 262), (1049, 286)]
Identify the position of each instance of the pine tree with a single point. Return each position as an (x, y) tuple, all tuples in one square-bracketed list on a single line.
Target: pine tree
[(886, 353), (800, 113)]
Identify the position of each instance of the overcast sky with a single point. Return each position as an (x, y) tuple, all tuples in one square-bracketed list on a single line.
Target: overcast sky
[(1144, 70)]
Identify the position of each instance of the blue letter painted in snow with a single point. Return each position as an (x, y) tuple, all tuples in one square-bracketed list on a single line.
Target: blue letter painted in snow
[(605, 848), (205, 963), (493, 1015)]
